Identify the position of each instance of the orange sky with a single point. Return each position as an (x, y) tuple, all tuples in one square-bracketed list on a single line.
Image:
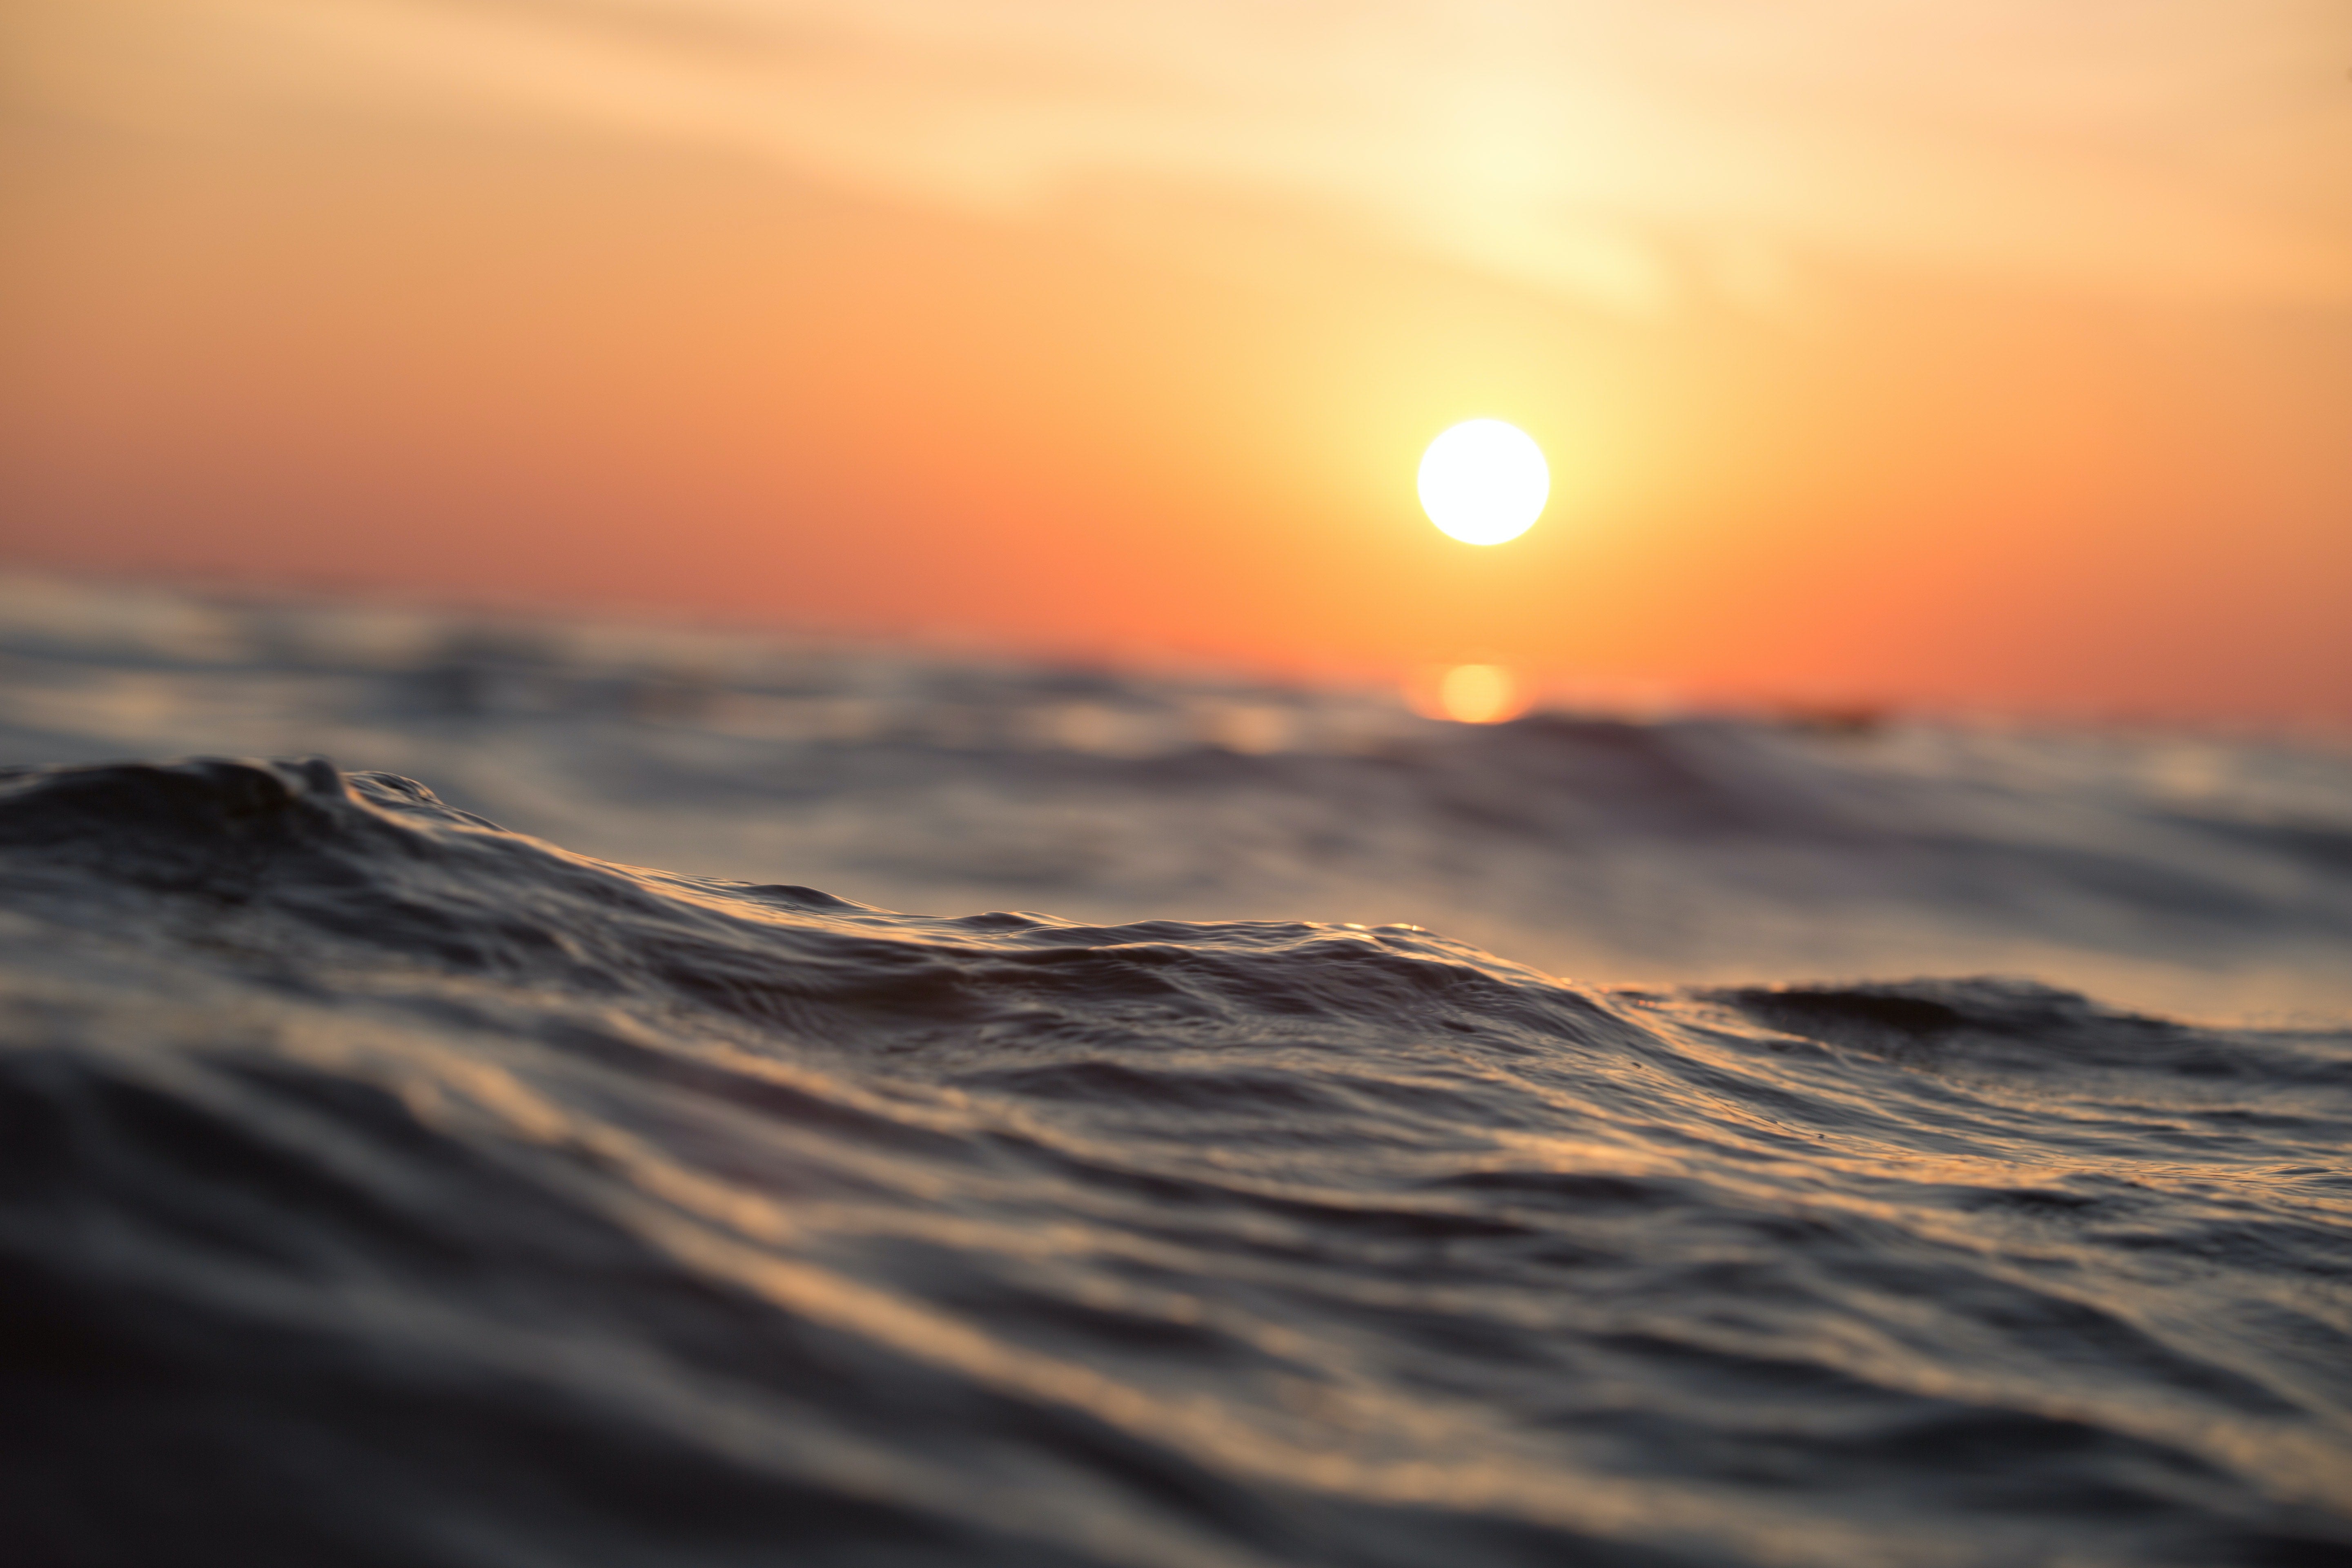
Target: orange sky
[(1956, 353)]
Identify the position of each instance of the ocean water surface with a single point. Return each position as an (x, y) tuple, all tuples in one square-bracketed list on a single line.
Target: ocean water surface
[(379, 1185)]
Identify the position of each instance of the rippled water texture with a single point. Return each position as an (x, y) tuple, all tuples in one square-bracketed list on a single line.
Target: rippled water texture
[(383, 1187)]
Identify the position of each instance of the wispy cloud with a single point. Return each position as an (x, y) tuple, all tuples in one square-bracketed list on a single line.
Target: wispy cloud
[(1625, 155)]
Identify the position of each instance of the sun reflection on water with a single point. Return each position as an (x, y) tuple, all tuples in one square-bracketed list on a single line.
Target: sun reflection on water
[(1469, 694)]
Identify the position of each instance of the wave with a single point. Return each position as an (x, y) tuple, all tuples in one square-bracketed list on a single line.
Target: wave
[(383, 1187)]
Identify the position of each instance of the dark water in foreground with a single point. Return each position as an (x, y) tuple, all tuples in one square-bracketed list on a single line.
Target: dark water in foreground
[(380, 1187)]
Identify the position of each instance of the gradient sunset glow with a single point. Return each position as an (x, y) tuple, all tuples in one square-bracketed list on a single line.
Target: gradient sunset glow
[(1988, 353)]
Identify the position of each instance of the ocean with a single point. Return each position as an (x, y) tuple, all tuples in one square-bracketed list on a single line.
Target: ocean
[(1054, 1115)]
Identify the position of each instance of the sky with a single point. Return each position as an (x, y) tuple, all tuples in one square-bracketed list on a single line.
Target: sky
[(1992, 355)]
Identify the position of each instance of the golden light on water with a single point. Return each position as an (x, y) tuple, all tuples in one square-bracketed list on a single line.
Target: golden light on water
[(1468, 694), (1484, 482)]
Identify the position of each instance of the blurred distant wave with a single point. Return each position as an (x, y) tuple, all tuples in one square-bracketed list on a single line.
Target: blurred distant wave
[(2191, 874)]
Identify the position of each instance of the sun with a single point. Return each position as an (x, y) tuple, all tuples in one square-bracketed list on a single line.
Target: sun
[(1483, 481)]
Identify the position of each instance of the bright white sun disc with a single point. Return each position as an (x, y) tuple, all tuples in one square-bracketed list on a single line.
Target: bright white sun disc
[(1483, 481)]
